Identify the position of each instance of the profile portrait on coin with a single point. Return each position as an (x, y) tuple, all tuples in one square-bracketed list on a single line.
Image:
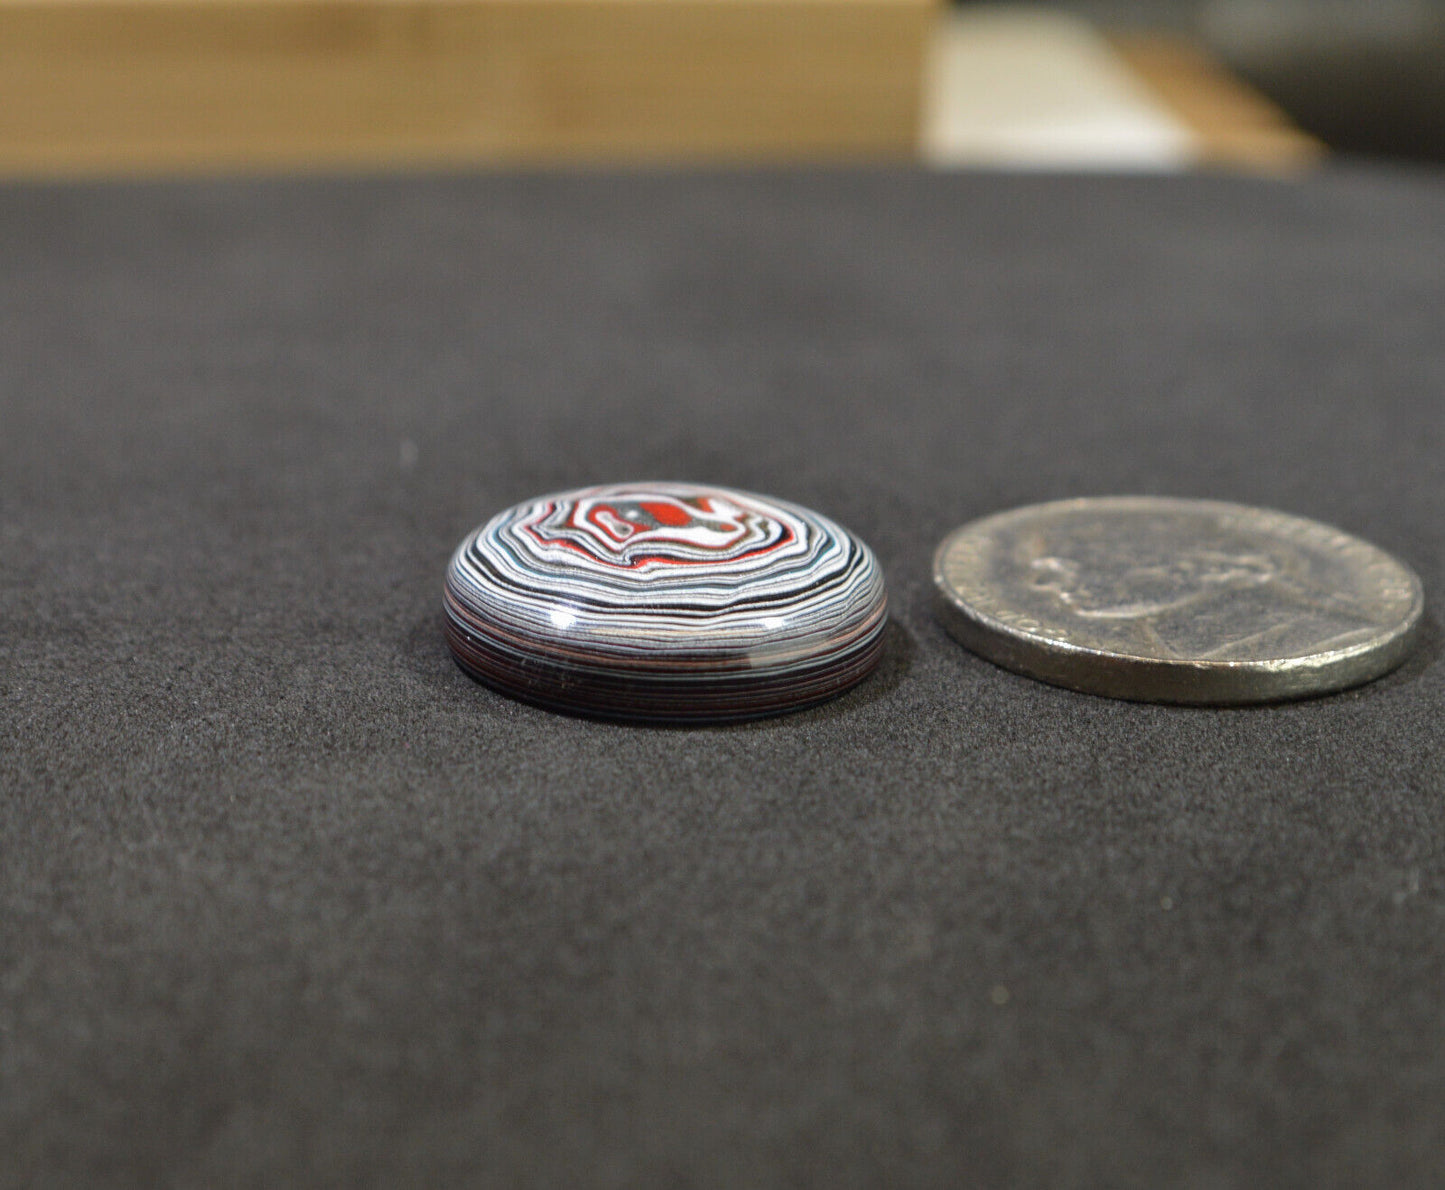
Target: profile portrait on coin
[(1168, 599), (1218, 600)]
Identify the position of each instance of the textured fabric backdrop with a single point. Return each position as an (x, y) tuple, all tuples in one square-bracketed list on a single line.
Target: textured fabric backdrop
[(286, 899)]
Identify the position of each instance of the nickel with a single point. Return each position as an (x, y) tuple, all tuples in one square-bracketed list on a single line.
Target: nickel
[(1171, 600)]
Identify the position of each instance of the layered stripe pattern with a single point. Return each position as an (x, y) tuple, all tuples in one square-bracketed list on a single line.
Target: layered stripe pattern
[(665, 601)]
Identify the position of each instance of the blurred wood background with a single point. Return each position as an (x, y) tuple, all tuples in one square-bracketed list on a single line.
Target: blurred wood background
[(92, 86), (1233, 124), (117, 87)]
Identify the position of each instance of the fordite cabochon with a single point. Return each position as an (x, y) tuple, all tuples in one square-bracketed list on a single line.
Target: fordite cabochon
[(665, 601)]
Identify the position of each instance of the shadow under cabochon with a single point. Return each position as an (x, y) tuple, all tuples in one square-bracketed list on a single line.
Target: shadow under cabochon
[(665, 602)]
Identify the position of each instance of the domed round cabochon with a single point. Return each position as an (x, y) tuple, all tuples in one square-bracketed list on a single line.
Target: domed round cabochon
[(666, 601)]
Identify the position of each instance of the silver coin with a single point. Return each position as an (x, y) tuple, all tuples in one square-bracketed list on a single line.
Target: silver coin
[(1184, 601)]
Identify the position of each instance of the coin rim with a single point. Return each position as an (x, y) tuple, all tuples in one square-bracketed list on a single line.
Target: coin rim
[(1147, 679)]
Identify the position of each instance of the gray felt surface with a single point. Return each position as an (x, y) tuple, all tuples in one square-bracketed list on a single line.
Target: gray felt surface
[(285, 899)]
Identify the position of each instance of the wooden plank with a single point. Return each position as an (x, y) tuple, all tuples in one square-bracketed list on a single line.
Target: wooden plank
[(1017, 87), (133, 86), (1233, 124)]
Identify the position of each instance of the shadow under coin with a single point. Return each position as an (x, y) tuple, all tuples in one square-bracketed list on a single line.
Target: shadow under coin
[(1426, 651)]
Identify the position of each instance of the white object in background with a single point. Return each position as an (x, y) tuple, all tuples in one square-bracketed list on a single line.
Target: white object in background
[(1022, 87)]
